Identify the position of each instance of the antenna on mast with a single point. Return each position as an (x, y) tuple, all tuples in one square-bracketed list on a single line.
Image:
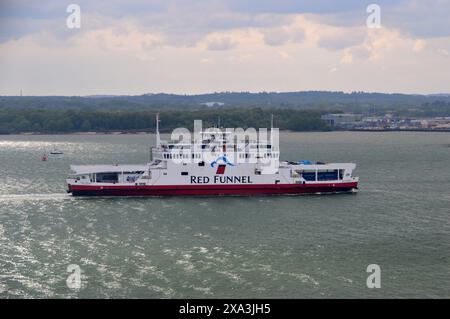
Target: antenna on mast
[(158, 139), (271, 130)]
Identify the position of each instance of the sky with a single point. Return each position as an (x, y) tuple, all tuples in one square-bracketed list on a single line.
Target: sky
[(135, 47)]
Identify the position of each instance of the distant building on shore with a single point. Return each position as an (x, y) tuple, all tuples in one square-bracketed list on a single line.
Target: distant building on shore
[(436, 123), (213, 103), (342, 119)]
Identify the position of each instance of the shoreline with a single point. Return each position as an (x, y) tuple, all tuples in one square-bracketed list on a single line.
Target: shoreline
[(286, 131), (399, 130)]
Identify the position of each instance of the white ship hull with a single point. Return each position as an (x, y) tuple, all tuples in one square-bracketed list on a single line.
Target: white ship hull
[(162, 179), (212, 165)]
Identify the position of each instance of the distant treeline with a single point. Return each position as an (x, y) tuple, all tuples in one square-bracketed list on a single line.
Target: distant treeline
[(67, 121), (359, 102), (434, 109)]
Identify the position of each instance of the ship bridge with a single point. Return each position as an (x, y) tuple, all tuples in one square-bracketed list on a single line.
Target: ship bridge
[(212, 144)]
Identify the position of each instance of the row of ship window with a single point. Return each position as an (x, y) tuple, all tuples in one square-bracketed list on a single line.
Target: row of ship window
[(266, 155), (177, 156), (246, 155), (337, 174), (203, 146)]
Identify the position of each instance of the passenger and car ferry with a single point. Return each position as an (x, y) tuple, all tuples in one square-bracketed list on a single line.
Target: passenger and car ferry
[(213, 166)]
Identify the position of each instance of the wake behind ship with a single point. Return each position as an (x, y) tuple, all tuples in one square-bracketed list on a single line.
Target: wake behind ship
[(213, 165)]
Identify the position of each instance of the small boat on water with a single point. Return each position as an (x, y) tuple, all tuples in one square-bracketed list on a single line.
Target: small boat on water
[(56, 152)]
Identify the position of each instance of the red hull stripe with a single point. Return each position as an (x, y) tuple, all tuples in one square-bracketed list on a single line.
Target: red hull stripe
[(236, 189)]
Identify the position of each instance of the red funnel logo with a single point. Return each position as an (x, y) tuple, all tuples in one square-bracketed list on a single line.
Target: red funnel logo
[(221, 169)]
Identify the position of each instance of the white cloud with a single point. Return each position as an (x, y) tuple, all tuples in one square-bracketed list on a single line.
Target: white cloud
[(278, 36), (419, 45), (443, 52), (128, 38), (284, 55), (335, 38), (347, 57), (207, 60), (220, 42)]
